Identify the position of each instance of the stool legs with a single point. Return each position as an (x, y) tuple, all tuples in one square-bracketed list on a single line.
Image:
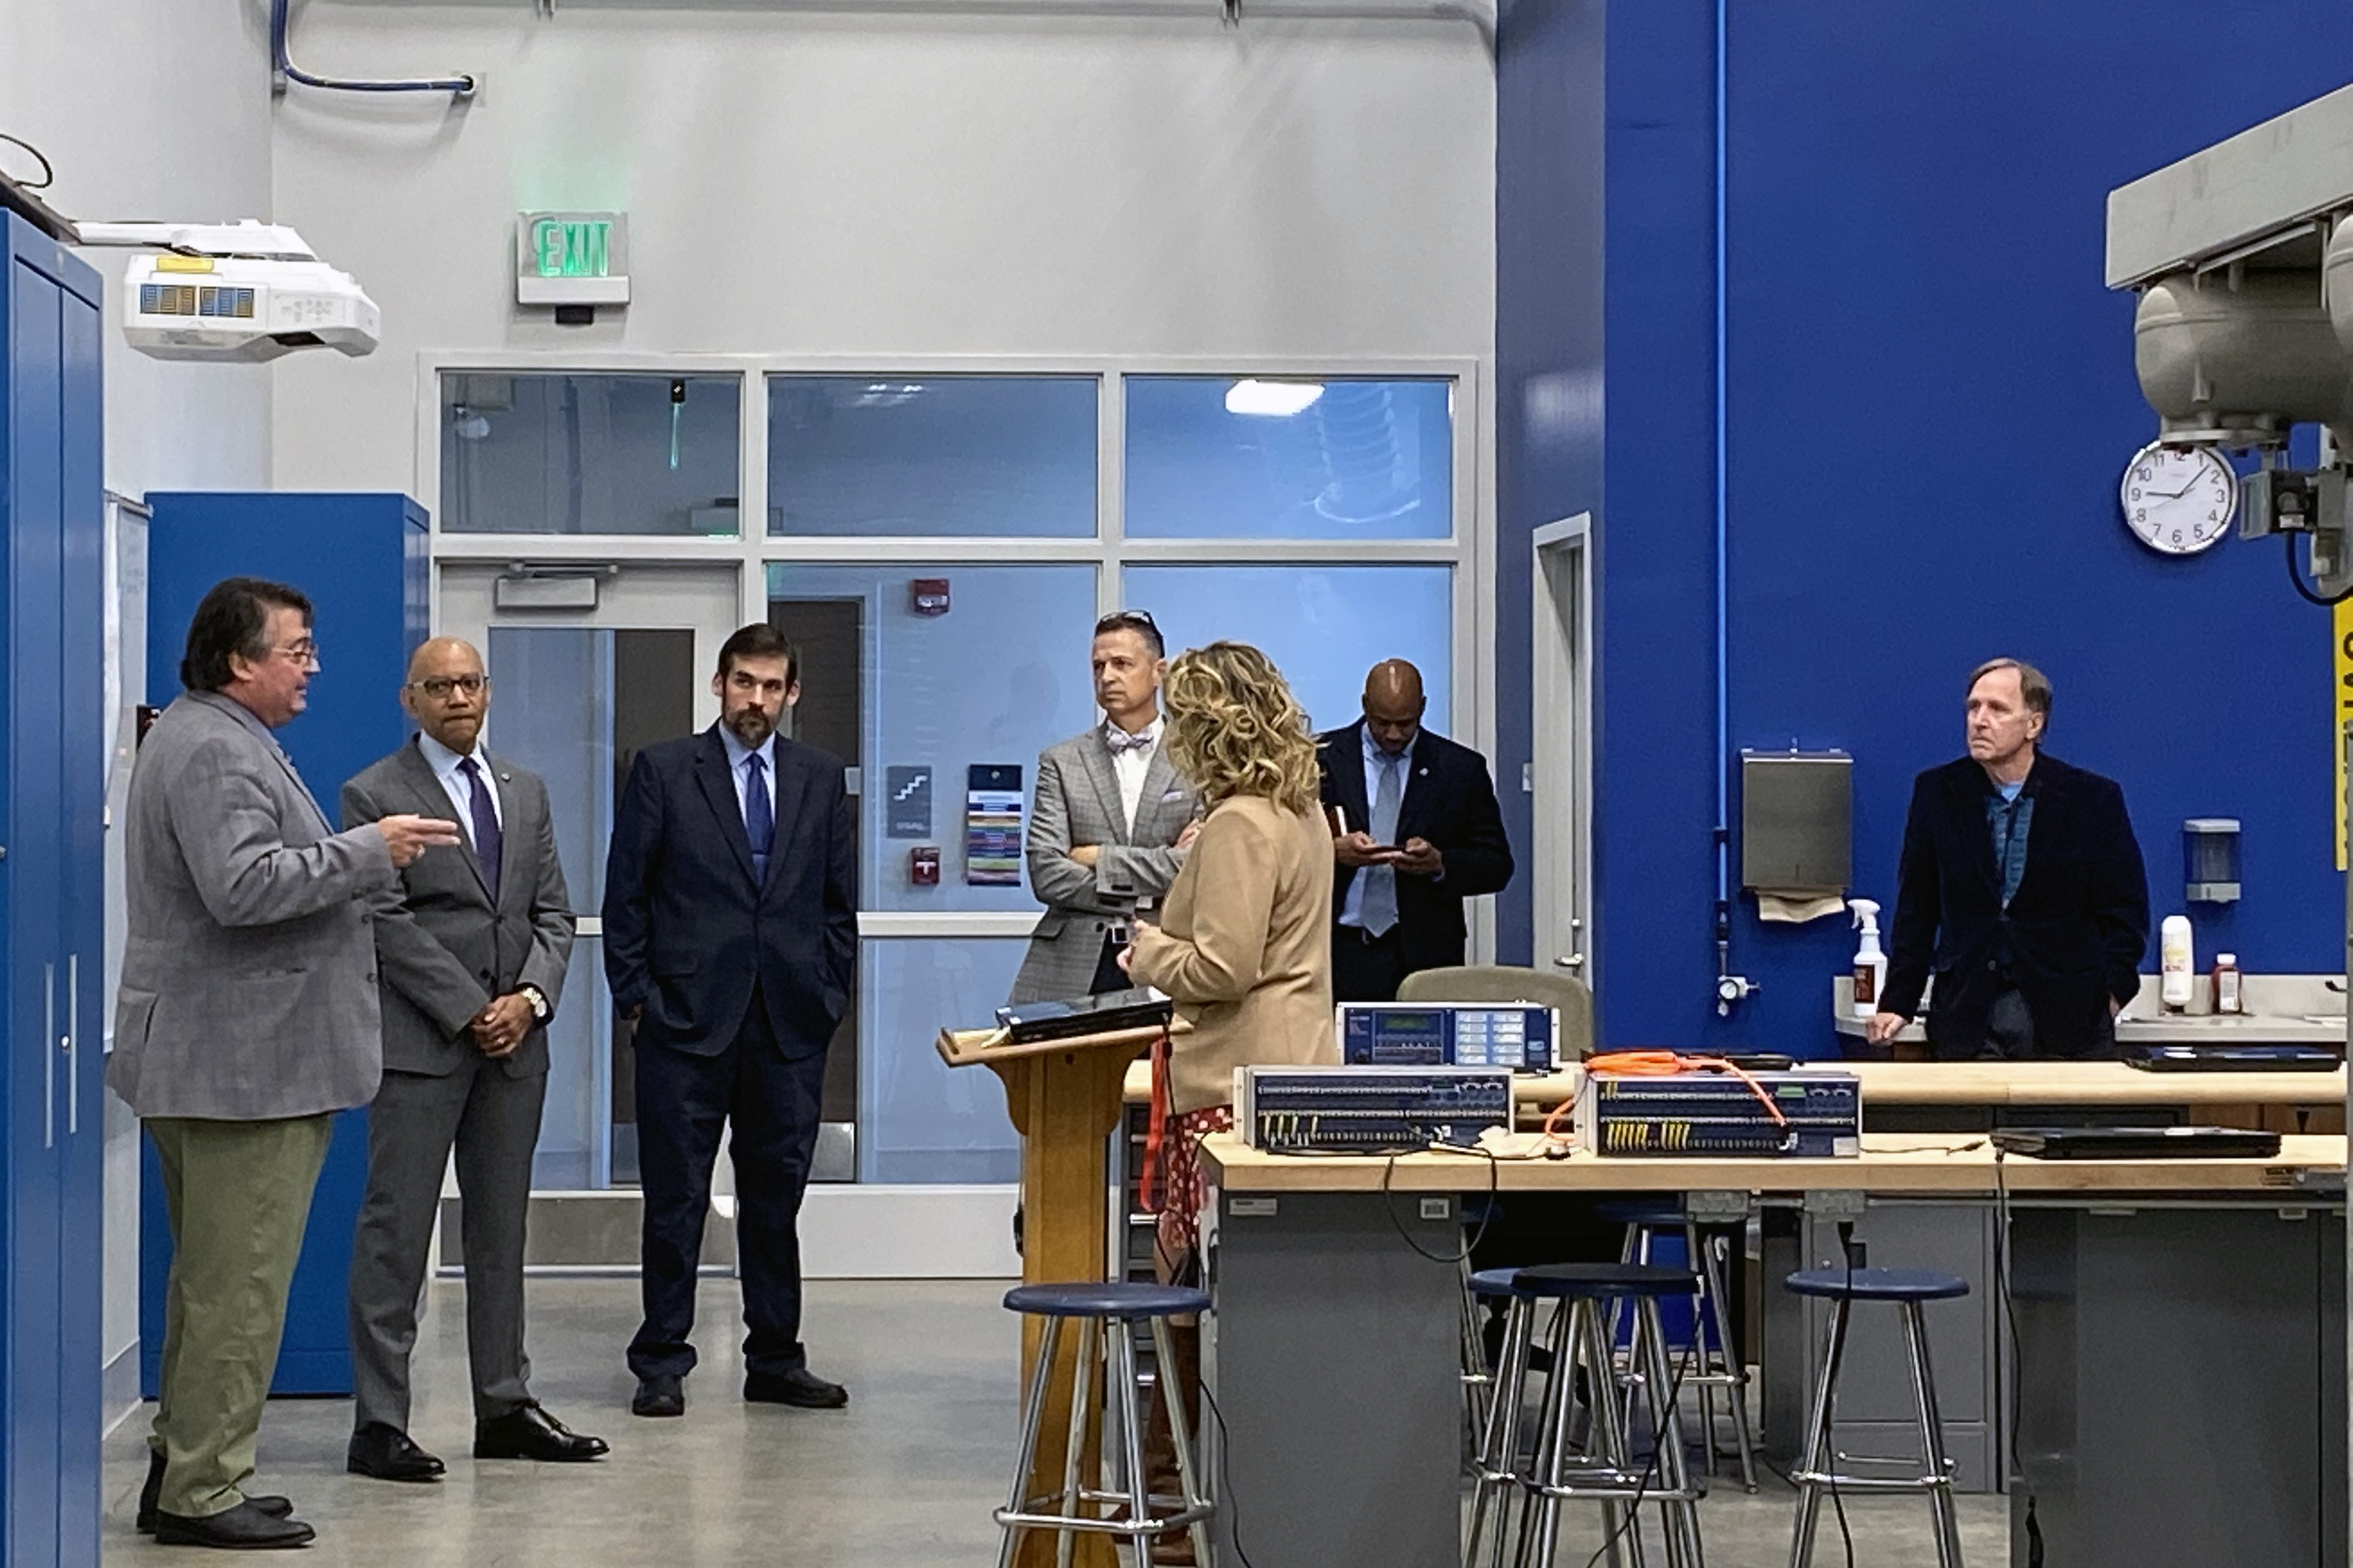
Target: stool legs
[(1496, 1468), (1817, 1467), (1032, 1414), (1477, 1383), (1814, 1461), (1714, 1252), (1113, 1341), (1180, 1432), (1677, 1514), (1602, 1468), (1932, 1440)]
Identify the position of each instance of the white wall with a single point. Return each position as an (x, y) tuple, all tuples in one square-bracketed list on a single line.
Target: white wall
[(148, 108), (912, 185)]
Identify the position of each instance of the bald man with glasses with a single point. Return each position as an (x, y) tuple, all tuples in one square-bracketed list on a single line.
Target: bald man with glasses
[(471, 955)]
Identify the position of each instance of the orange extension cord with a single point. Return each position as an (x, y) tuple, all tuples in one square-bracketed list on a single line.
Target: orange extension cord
[(1663, 1064)]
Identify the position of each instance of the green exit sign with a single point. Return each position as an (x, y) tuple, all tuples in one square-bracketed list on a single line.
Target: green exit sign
[(573, 248), (573, 259)]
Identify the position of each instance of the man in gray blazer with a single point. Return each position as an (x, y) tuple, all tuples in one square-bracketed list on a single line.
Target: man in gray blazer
[(246, 1020), (1111, 823), (470, 956)]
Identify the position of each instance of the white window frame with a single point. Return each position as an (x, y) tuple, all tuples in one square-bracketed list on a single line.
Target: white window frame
[(1469, 550)]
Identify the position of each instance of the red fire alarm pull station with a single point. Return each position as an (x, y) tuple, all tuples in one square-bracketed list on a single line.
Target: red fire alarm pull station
[(923, 865), (928, 596)]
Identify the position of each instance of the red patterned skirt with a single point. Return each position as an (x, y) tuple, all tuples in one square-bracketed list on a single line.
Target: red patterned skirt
[(1184, 1188)]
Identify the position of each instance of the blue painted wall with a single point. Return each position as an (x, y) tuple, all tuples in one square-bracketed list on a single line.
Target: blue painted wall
[(360, 560), (1930, 399)]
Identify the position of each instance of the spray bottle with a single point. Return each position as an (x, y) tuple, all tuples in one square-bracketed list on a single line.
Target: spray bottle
[(1870, 959)]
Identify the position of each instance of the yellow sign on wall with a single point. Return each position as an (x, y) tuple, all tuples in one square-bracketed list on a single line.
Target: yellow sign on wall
[(2341, 625)]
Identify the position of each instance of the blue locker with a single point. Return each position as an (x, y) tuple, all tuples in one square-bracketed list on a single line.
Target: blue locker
[(361, 561), (51, 889)]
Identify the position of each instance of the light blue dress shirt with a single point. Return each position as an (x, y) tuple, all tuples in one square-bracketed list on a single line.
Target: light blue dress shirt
[(444, 764), (737, 754), (1351, 908)]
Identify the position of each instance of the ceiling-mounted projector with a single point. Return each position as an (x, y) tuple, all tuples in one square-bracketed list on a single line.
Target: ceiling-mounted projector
[(234, 292)]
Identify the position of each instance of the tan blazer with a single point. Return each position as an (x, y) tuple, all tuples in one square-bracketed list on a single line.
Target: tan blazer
[(1244, 947)]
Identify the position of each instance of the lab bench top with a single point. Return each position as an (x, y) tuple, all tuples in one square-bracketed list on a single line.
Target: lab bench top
[(2282, 1010), (1997, 1084), (1893, 1164)]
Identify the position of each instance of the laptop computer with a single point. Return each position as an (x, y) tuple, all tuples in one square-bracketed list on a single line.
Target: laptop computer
[(2232, 1058), (2136, 1142)]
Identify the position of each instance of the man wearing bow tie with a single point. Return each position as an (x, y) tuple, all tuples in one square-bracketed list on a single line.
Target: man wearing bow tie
[(471, 958), (1111, 823), (731, 938)]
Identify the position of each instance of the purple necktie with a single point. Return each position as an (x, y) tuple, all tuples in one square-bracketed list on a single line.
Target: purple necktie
[(487, 839)]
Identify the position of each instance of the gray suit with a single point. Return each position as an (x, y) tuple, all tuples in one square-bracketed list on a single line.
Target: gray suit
[(247, 1017), (249, 975), (1077, 803), (444, 951)]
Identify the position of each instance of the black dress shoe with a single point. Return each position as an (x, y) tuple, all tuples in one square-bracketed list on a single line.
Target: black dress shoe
[(799, 1386), (528, 1432), (386, 1454), (659, 1396), (153, 1492), (244, 1528)]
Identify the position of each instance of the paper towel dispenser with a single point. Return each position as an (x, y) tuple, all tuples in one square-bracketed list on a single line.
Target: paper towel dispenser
[(1796, 820)]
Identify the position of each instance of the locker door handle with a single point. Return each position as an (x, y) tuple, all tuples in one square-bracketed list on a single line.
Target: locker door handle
[(48, 1061), (73, 1045)]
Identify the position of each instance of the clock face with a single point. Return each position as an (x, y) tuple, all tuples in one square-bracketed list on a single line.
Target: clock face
[(2178, 499)]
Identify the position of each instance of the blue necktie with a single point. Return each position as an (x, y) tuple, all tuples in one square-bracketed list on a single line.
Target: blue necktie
[(759, 816), (488, 841), (1379, 909)]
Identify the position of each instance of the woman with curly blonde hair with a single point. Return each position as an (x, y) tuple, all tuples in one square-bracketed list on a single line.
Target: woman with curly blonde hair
[(1243, 946)]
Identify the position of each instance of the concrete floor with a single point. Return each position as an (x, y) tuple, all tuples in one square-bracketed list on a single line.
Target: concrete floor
[(903, 1479)]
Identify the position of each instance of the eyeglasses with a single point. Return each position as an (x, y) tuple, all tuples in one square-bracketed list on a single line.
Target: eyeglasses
[(305, 652), (1127, 620), (440, 686)]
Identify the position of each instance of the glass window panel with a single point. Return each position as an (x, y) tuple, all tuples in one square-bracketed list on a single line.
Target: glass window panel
[(552, 712), (590, 454), (1323, 625), (1225, 457), (995, 678), (956, 455), (919, 1119)]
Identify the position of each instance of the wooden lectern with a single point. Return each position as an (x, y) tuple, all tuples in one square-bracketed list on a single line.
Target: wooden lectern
[(1065, 1096)]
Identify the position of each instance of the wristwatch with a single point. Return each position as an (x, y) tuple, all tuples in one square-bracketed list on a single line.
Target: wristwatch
[(542, 1010)]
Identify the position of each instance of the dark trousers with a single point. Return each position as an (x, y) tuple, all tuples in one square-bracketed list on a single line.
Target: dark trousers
[(2009, 1035), (1367, 969), (682, 1102), (492, 1121)]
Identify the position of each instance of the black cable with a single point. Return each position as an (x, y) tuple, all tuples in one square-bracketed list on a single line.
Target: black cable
[(2296, 579), (1225, 1498), (1478, 1232), (1829, 1393), (1608, 1377), (48, 174), (2017, 1369)]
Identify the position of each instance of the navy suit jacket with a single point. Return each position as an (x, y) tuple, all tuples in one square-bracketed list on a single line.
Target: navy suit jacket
[(1450, 802), (687, 931), (2074, 932)]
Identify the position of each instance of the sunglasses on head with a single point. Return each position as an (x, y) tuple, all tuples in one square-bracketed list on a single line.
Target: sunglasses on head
[(1126, 620)]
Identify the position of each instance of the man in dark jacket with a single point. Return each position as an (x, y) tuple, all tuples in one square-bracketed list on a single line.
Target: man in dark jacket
[(1416, 831), (2021, 889)]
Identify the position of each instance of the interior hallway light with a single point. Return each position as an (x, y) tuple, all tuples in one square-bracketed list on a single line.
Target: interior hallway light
[(1272, 399)]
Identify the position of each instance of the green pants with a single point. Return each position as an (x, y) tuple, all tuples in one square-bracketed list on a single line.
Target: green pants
[(238, 1195)]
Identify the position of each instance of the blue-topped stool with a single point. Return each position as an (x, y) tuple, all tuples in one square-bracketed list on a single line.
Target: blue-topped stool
[(1910, 1289), (1599, 1467), (1478, 1381), (1108, 1312), (1721, 1366)]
